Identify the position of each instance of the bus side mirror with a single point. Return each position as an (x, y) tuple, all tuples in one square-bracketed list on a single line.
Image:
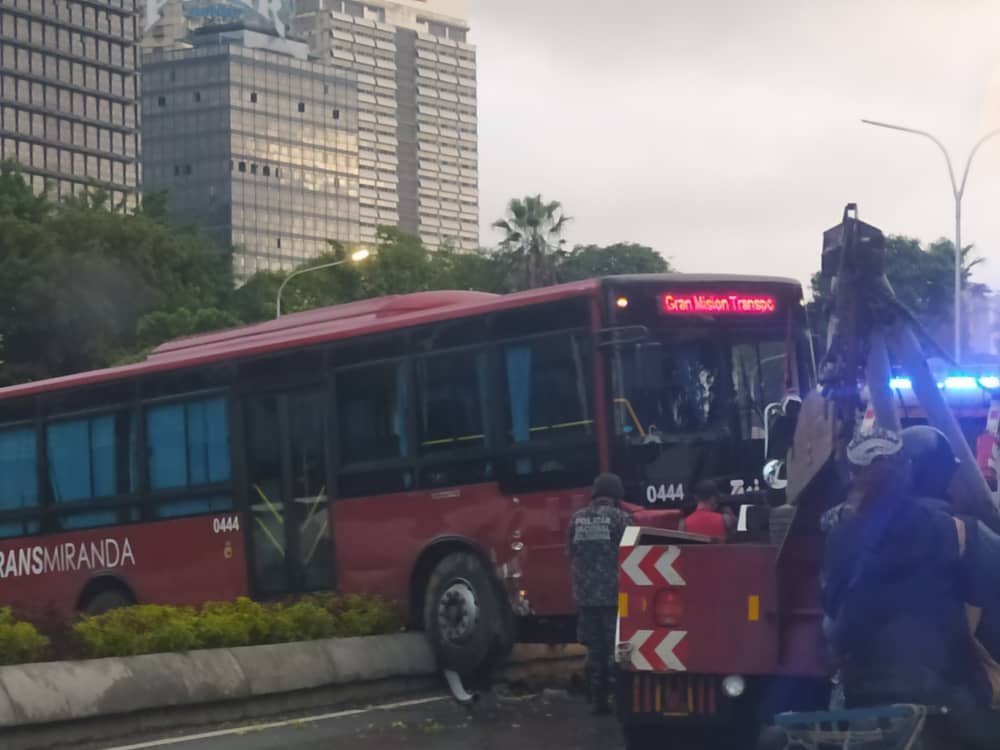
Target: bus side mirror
[(780, 419), (775, 474)]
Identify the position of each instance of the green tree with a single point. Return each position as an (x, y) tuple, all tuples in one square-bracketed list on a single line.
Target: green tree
[(590, 261), (401, 265), (482, 271), (254, 301), (532, 229), (77, 277)]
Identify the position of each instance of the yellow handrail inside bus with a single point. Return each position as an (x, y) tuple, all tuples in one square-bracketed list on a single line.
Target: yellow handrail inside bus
[(539, 428), (631, 412), (270, 506)]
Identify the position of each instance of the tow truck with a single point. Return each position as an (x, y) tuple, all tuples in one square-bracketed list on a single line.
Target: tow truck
[(714, 639)]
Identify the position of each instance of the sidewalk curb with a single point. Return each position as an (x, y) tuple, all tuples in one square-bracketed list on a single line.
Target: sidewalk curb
[(72, 690), (37, 700)]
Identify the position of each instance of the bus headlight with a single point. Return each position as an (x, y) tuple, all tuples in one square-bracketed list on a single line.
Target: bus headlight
[(734, 686)]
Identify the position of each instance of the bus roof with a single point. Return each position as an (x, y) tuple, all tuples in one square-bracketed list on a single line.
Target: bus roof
[(324, 324)]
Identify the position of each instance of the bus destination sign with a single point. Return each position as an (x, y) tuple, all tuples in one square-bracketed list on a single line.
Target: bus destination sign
[(711, 303)]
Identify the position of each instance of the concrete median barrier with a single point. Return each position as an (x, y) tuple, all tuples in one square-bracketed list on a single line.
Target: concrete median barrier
[(53, 693)]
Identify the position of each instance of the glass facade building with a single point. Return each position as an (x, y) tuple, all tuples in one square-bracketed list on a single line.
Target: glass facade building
[(255, 143), (69, 94), (418, 126)]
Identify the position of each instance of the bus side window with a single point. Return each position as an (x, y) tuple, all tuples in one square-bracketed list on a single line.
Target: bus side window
[(188, 449), (90, 459), (451, 406), (548, 389), (18, 479), (371, 405), (373, 435)]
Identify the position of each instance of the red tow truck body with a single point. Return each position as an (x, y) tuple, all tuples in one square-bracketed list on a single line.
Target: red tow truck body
[(716, 634)]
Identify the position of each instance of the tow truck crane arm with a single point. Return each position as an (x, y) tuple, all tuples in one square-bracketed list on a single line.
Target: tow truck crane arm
[(867, 324)]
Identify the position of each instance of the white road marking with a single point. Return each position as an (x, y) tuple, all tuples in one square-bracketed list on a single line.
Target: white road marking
[(665, 566), (277, 724)]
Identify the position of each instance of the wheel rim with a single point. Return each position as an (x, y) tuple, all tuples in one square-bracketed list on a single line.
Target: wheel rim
[(458, 611)]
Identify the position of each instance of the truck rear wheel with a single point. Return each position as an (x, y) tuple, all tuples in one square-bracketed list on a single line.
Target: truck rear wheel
[(464, 617)]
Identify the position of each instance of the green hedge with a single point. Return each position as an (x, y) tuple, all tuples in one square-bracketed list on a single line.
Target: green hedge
[(19, 641), (147, 629)]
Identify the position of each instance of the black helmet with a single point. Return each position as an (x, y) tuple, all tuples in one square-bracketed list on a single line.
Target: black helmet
[(608, 486), (934, 462)]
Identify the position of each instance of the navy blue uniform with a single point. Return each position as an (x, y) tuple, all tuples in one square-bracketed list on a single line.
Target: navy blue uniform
[(895, 593), (594, 535)]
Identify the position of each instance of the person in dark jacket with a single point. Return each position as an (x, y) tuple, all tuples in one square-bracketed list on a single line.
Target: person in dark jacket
[(934, 466), (594, 535), (902, 574), (894, 590)]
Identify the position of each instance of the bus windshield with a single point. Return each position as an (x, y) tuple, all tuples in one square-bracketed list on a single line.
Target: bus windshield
[(700, 382), (691, 399)]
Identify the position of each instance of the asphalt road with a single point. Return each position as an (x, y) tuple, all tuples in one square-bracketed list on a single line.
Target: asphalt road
[(548, 721)]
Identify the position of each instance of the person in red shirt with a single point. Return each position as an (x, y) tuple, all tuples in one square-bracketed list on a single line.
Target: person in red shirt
[(706, 518)]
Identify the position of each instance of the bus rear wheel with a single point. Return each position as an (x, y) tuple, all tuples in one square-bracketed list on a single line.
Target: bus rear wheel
[(464, 618), (106, 599)]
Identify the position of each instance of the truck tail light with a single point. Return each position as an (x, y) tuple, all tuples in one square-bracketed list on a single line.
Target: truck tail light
[(668, 609)]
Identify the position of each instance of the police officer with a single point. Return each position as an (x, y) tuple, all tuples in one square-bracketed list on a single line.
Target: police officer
[(908, 572), (889, 556), (594, 535), (934, 466)]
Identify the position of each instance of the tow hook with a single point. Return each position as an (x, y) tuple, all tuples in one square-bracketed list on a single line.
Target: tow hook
[(458, 691)]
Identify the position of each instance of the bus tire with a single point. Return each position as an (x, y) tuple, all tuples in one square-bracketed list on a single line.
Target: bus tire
[(106, 599), (463, 615)]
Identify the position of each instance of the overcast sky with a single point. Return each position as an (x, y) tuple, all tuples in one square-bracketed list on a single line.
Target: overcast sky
[(726, 133)]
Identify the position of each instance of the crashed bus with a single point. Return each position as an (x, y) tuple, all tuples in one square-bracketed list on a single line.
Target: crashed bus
[(430, 448)]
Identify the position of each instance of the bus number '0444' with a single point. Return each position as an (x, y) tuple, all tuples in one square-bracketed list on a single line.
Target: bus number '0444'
[(664, 492), (227, 523)]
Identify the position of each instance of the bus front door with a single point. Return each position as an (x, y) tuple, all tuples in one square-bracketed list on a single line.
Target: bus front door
[(287, 503)]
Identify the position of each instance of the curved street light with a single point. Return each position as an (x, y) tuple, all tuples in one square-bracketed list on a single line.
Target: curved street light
[(957, 190), (356, 257)]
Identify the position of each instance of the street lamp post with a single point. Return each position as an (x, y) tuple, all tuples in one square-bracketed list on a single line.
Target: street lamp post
[(356, 257), (957, 190)]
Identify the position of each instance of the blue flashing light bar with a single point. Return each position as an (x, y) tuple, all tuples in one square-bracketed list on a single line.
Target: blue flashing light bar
[(960, 383), (952, 383)]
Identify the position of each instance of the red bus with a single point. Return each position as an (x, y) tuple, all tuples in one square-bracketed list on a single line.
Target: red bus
[(427, 447)]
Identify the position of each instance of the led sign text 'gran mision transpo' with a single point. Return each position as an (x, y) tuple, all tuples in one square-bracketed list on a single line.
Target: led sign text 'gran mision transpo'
[(711, 303)]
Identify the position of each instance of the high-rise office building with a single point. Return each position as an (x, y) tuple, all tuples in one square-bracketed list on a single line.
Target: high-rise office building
[(417, 118), (68, 94), (254, 142)]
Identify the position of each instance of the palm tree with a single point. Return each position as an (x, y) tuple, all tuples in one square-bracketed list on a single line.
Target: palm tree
[(533, 237)]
